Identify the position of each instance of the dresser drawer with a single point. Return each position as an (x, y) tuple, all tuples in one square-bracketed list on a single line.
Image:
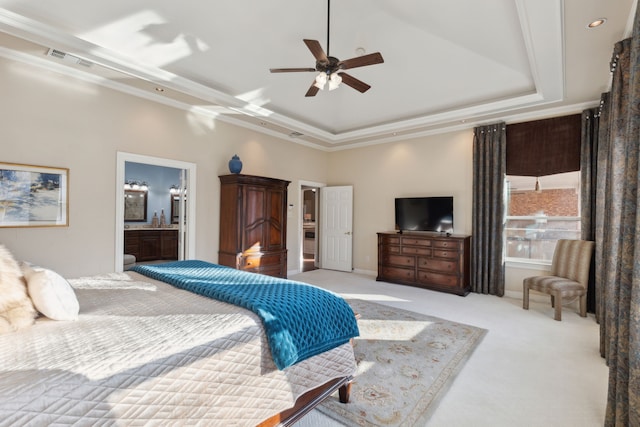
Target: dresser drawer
[(268, 270), (411, 241), (446, 244), (400, 274), (251, 262), (271, 265), (431, 278), (413, 250), (443, 253), (392, 249), (438, 265), (406, 261), (390, 240)]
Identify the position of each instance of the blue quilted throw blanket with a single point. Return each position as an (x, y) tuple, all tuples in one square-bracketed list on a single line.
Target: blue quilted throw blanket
[(300, 320)]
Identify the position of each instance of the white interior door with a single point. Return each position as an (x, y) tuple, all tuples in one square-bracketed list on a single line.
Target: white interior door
[(336, 228)]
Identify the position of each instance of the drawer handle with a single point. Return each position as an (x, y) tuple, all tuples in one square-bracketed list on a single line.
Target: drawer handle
[(445, 253)]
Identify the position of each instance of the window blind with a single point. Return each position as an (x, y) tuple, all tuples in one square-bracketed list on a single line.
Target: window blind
[(544, 147)]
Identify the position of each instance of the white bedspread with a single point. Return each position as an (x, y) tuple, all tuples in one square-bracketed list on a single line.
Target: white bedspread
[(145, 353)]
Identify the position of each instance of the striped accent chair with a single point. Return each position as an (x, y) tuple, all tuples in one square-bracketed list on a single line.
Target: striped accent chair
[(569, 276)]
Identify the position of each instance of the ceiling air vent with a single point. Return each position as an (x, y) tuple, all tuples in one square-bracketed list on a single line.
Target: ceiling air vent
[(68, 58), (56, 53)]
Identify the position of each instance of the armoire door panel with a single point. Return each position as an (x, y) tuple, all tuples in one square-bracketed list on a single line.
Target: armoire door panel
[(276, 214), (254, 218)]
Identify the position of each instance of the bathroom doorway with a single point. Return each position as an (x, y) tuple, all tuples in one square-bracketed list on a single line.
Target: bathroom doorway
[(309, 217), (185, 217)]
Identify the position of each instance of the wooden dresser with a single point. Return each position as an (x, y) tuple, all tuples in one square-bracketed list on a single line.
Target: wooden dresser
[(253, 224), (427, 260)]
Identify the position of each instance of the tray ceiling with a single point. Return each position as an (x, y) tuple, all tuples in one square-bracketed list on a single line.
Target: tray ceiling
[(447, 65)]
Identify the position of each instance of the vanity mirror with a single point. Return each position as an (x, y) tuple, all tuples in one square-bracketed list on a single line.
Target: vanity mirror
[(135, 205), (175, 208)]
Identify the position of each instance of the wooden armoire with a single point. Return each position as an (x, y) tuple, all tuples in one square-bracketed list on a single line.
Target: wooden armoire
[(253, 224)]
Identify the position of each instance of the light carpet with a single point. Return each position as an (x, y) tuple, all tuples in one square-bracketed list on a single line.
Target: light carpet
[(406, 362)]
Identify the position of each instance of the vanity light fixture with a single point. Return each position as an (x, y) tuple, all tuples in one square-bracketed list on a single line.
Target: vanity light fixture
[(174, 190), (136, 185)]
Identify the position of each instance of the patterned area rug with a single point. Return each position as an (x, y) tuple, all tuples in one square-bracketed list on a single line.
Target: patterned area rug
[(406, 362)]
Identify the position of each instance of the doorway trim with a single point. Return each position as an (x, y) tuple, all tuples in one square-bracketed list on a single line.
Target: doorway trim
[(121, 159), (300, 230)]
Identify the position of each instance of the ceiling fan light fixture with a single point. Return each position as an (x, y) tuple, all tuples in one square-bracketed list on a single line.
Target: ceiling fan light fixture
[(334, 81), (321, 80)]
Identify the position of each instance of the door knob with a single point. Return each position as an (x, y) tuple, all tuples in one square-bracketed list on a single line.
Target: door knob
[(348, 233)]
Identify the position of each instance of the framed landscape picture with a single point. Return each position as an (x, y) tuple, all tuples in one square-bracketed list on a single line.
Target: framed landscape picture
[(33, 196)]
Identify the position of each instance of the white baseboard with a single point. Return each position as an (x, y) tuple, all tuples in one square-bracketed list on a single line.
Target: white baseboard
[(365, 272), (355, 270)]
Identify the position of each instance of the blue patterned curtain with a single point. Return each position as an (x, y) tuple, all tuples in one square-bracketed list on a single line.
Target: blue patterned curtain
[(618, 234), (489, 165)]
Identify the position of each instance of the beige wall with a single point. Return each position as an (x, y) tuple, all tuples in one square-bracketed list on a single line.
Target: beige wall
[(439, 165), (52, 120)]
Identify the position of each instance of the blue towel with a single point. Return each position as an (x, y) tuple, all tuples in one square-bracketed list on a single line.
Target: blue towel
[(300, 320)]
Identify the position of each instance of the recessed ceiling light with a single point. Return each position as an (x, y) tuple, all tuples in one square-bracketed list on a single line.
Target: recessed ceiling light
[(597, 23)]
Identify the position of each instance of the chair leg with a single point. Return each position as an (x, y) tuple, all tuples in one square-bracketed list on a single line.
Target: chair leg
[(525, 297), (558, 307), (553, 301), (583, 305)]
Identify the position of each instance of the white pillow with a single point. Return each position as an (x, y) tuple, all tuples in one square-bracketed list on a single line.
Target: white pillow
[(52, 295)]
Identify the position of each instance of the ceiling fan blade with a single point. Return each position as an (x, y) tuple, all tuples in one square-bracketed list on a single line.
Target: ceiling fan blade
[(313, 89), (290, 70), (361, 61), (316, 50), (358, 85)]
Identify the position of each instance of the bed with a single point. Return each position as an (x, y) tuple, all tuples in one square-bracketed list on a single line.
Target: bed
[(145, 352)]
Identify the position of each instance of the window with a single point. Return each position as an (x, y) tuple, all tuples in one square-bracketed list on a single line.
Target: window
[(536, 219), (542, 194)]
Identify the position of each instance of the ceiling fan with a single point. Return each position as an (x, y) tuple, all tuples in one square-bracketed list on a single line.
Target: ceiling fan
[(330, 68)]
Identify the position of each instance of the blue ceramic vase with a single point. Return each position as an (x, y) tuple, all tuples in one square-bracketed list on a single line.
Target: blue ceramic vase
[(235, 164)]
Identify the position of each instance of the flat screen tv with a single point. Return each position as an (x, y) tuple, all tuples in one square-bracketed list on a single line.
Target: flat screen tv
[(425, 214)]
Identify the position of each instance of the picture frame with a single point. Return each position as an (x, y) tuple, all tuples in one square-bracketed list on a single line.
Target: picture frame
[(135, 205), (33, 196)]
